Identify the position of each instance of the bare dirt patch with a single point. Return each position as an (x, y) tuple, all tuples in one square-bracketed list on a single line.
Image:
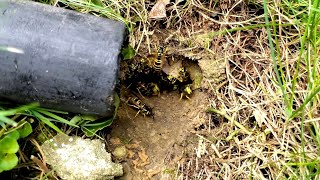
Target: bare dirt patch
[(156, 145)]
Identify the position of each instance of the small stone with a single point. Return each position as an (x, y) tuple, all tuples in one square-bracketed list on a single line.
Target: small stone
[(120, 152), (80, 159)]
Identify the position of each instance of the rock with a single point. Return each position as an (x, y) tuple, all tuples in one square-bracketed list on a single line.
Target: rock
[(74, 158)]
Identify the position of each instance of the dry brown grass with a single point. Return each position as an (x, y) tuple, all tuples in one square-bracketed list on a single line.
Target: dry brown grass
[(256, 140), (249, 135)]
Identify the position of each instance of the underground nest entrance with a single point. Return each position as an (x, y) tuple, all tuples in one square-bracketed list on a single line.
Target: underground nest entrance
[(156, 73)]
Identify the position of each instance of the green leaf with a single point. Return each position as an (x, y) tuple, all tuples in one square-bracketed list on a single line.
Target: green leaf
[(8, 162), (25, 130), (128, 52), (87, 117), (8, 145), (102, 10), (76, 120), (90, 129), (14, 134)]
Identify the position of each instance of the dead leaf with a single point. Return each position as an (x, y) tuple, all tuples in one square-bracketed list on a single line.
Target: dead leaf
[(40, 163), (130, 154), (115, 141), (153, 172), (158, 11), (142, 160), (178, 158), (260, 117), (143, 156)]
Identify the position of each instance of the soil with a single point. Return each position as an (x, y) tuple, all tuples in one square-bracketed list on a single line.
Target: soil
[(156, 145)]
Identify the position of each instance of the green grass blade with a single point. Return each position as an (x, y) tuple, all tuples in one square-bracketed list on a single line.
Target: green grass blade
[(58, 118), (19, 109), (307, 100), (272, 48), (304, 41), (8, 121), (52, 110), (45, 120)]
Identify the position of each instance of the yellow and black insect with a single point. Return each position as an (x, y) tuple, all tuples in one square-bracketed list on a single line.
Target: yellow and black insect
[(185, 91), (155, 89), (137, 104), (157, 64), (172, 79), (156, 60), (143, 88)]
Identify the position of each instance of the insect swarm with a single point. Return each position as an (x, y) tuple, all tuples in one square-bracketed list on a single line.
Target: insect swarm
[(152, 75)]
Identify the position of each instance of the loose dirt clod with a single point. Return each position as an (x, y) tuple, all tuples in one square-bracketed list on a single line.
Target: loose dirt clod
[(120, 152)]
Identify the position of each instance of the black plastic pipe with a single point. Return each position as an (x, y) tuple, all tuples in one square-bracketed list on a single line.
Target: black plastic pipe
[(60, 58)]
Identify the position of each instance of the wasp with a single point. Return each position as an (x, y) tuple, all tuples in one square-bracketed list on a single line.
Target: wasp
[(137, 104), (183, 75), (172, 79), (156, 60), (159, 61), (155, 89), (185, 91), (143, 88), (148, 89), (157, 64)]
